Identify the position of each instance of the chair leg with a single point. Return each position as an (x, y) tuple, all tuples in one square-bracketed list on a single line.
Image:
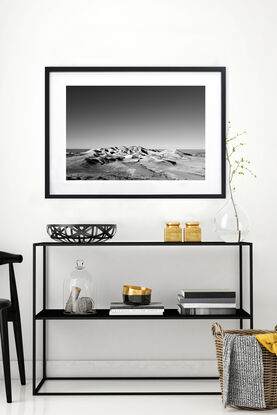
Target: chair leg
[(14, 316), (6, 353), (19, 349)]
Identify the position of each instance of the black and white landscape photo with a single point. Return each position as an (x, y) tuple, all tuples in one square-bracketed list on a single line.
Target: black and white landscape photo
[(135, 133)]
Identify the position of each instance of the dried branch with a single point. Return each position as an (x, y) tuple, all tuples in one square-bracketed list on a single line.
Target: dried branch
[(241, 168)]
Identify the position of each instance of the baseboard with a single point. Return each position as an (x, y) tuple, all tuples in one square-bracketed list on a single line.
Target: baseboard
[(121, 368)]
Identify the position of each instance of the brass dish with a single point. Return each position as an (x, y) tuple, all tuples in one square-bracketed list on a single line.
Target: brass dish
[(134, 295)]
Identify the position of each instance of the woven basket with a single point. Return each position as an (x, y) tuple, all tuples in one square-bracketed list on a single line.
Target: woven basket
[(269, 363)]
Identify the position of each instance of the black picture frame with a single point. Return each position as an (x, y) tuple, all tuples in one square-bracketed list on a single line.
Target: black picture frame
[(52, 69)]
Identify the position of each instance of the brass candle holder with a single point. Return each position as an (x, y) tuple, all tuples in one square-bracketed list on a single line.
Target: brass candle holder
[(134, 295)]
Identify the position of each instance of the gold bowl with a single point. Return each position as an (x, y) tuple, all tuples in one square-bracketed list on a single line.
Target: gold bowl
[(134, 295)]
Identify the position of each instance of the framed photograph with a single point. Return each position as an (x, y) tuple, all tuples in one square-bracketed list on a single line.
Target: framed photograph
[(127, 132)]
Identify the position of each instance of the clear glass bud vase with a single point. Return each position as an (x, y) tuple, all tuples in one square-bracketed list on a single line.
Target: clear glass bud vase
[(78, 292), (232, 224)]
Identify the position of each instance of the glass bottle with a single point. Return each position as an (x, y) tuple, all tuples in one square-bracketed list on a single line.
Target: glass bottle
[(78, 292)]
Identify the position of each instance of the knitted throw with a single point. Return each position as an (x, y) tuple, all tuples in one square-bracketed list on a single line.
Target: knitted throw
[(243, 372)]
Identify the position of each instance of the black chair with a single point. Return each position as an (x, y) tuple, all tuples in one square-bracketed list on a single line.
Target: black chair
[(9, 311)]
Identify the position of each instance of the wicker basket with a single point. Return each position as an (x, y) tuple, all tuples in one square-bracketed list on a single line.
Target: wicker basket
[(269, 363)]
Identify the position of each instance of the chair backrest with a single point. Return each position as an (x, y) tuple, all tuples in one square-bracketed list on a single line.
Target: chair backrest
[(7, 258)]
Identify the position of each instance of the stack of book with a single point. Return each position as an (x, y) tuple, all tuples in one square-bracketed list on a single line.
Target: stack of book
[(201, 302), (121, 309)]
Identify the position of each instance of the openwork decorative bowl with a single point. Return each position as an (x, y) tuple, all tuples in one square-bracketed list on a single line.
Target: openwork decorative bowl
[(81, 233)]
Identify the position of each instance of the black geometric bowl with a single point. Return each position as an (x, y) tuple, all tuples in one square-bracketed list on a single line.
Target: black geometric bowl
[(81, 233)]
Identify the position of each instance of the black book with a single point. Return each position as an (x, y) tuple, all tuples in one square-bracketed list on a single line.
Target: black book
[(152, 306), (208, 293)]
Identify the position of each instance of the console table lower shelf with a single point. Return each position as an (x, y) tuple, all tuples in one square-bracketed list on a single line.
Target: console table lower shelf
[(130, 385)]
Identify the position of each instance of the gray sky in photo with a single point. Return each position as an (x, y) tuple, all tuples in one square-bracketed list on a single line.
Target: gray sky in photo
[(150, 116)]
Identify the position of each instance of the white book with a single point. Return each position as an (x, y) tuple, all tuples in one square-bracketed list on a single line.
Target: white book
[(136, 312), (208, 305)]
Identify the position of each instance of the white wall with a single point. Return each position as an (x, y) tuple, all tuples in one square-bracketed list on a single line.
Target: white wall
[(240, 35)]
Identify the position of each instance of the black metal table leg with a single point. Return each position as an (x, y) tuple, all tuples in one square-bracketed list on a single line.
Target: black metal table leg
[(34, 320), (251, 283), (240, 283), (44, 306)]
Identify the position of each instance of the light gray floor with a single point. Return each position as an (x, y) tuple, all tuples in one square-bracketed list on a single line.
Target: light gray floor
[(25, 404)]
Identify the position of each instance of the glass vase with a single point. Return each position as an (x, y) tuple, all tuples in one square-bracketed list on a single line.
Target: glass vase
[(231, 221)]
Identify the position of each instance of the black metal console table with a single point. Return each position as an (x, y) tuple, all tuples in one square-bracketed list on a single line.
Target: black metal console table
[(46, 314)]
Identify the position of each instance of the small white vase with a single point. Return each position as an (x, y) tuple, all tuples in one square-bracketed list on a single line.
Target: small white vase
[(232, 224)]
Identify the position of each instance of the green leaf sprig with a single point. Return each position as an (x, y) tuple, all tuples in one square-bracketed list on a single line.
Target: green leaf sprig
[(239, 165)]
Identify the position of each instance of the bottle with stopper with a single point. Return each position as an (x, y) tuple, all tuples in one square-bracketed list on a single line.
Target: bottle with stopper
[(79, 291)]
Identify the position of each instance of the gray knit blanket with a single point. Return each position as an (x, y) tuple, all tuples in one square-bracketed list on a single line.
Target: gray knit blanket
[(243, 372)]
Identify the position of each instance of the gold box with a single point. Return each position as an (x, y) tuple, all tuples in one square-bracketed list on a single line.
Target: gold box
[(173, 232), (192, 232)]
